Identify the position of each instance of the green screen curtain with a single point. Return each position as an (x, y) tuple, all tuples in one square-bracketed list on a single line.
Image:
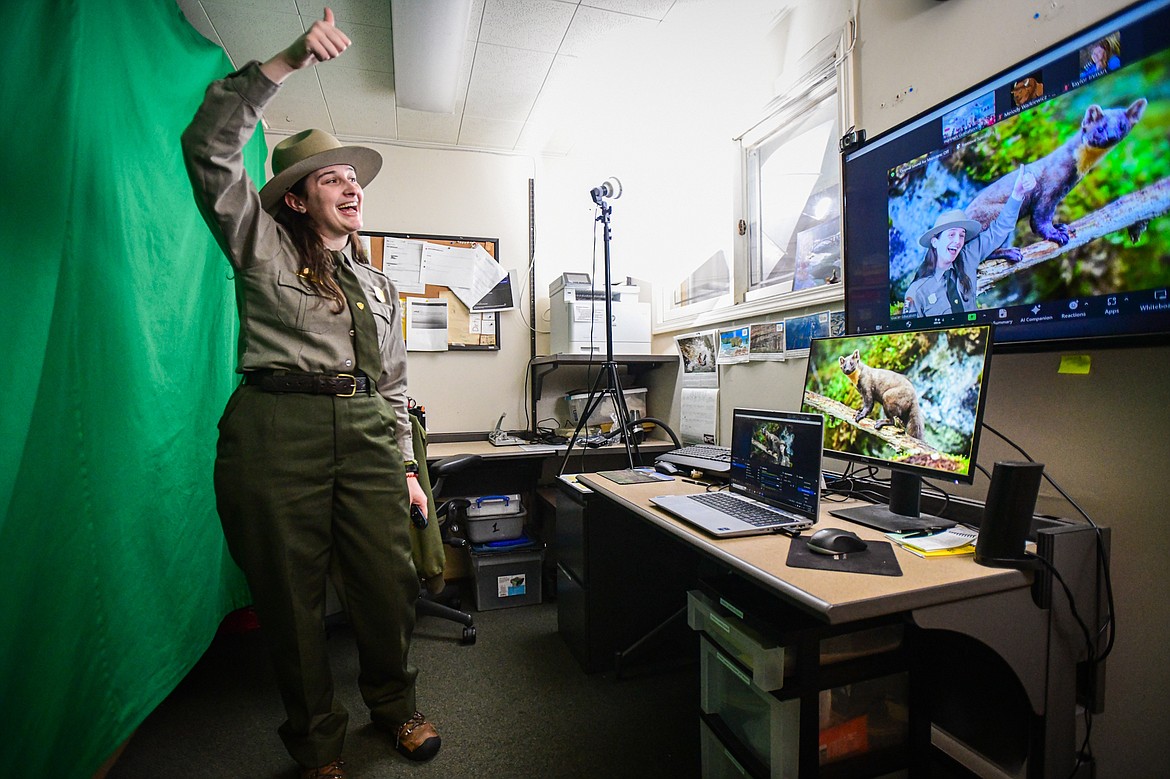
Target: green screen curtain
[(118, 327)]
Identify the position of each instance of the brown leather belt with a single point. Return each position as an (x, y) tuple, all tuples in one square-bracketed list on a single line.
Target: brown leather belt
[(344, 385)]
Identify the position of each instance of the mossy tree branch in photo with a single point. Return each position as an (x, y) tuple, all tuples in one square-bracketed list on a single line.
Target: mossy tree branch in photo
[(1130, 212)]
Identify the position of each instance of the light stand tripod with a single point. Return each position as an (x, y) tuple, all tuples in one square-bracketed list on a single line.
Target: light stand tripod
[(608, 383)]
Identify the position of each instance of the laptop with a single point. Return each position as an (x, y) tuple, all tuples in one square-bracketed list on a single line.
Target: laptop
[(774, 481)]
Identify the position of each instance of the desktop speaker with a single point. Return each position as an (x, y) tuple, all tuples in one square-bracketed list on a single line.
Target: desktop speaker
[(1007, 515)]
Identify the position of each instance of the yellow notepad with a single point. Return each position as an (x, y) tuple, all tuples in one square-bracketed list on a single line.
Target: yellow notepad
[(959, 539), (957, 551)]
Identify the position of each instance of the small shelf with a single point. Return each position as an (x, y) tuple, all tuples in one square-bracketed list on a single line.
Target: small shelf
[(636, 364)]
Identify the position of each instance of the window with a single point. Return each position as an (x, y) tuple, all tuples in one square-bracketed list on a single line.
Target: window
[(790, 254), (792, 175), (707, 288)]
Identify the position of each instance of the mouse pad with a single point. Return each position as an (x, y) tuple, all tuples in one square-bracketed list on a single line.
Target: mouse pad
[(878, 558)]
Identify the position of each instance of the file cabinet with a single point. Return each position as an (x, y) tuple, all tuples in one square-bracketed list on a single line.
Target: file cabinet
[(609, 594)]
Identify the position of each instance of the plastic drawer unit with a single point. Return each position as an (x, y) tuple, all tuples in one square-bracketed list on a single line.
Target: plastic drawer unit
[(763, 656), (717, 762), (769, 728), (751, 699)]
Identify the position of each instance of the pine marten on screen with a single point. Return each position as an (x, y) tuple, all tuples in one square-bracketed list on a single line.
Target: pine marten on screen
[(1056, 174), (895, 393)]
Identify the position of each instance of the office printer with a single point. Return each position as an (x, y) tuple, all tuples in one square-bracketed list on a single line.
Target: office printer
[(577, 311)]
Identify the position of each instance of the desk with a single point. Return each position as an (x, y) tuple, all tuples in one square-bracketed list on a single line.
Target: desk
[(488, 450), (1017, 619), (506, 470), (514, 469)]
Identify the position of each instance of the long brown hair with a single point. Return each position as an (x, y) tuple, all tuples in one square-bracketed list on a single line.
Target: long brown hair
[(930, 262), (318, 266)]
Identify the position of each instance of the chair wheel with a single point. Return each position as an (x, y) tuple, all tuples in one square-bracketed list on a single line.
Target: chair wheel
[(469, 635)]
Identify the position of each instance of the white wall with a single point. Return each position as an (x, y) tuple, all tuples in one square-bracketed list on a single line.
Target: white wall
[(914, 54)]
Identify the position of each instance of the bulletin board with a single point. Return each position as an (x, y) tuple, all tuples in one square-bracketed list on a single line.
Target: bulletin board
[(466, 330)]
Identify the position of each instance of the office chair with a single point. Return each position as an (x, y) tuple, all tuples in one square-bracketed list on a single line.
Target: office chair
[(446, 514)]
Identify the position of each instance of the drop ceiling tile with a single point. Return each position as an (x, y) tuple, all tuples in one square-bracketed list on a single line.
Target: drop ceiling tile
[(594, 32), (251, 34), (489, 133), (371, 49), (278, 6), (505, 82), (360, 102), (538, 25), (197, 18), (567, 77), (651, 9), (475, 19), (375, 13), (537, 138), (561, 99), (298, 106), (427, 127)]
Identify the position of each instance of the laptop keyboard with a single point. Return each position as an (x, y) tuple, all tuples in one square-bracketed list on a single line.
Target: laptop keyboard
[(759, 516), (705, 457), (705, 452)]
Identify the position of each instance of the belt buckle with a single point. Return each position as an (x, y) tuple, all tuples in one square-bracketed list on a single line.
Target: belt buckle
[(353, 387)]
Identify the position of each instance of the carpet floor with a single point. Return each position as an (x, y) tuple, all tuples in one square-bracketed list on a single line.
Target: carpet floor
[(514, 704)]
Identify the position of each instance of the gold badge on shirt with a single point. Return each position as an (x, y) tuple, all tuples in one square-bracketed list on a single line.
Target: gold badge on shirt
[(379, 294)]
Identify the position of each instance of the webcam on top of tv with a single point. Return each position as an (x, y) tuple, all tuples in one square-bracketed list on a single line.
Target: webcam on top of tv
[(851, 139)]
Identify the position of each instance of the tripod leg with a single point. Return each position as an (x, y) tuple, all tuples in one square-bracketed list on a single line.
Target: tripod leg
[(623, 414), (591, 404)]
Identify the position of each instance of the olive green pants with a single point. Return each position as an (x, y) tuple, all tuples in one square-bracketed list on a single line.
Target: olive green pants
[(306, 484)]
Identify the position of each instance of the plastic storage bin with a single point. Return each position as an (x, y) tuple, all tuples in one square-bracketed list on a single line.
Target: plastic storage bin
[(864, 717), (494, 518), (604, 413), (508, 578), (493, 506), (498, 528)]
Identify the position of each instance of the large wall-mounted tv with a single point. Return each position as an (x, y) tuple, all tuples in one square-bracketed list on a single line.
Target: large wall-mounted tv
[(931, 235)]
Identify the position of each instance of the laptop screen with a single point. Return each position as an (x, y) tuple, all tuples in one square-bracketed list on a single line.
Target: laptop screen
[(776, 458)]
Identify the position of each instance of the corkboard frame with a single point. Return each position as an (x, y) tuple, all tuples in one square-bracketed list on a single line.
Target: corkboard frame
[(460, 337)]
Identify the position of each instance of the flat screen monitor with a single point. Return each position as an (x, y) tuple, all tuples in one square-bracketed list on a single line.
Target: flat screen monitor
[(908, 401), (1084, 260)]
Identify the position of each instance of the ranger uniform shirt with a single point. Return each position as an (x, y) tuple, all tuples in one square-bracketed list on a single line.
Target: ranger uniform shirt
[(284, 323), (934, 296)]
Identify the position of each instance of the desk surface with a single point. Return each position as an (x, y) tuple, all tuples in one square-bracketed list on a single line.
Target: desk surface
[(487, 450), (836, 596)]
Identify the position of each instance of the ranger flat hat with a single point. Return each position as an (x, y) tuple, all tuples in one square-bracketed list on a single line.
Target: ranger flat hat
[(299, 155), (948, 219)]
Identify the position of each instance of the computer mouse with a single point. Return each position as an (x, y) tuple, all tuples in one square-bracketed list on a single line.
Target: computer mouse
[(662, 466), (834, 540)]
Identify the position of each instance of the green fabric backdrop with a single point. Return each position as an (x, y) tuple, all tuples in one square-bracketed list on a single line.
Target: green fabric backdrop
[(118, 327)]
